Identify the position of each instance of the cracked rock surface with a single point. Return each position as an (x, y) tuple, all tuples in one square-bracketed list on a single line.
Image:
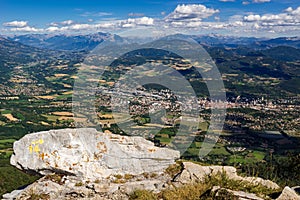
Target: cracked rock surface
[(89, 154)]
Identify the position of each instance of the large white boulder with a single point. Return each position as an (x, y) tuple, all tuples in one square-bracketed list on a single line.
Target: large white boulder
[(89, 154)]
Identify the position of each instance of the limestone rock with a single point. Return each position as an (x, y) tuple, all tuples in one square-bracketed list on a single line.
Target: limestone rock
[(74, 188), (150, 185), (12, 195), (193, 172), (88, 153), (288, 194), (237, 194), (87, 164), (260, 181)]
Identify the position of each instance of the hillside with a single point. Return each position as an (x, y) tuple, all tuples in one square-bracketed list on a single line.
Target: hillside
[(23, 66), (284, 53)]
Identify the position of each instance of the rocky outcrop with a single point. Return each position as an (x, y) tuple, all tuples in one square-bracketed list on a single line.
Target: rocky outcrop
[(220, 192), (89, 154), (288, 194), (64, 187), (195, 173), (87, 164)]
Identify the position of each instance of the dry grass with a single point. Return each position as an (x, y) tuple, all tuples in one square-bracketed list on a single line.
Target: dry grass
[(45, 123), (10, 117), (142, 195), (60, 75), (79, 184), (47, 97), (74, 77), (67, 86), (202, 190), (65, 114), (188, 192), (174, 169)]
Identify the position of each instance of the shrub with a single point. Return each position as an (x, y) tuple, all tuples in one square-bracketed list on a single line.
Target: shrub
[(118, 176), (97, 181), (57, 178), (78, 184), (128, 176), (174, 169), (223, 181)]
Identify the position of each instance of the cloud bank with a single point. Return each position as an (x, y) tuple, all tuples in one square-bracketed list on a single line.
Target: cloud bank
[(185, 18)]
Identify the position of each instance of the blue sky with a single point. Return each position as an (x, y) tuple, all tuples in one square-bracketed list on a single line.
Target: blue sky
[(229, 17)]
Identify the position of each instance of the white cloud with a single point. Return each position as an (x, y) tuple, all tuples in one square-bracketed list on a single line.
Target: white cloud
[(81, 27), (133, 22), (26, 29), (295, 12), (67, 22), (184, 19), (287, 22), (254, 1), (96, 14), (252, 18), (19, 24), (227, 0), (136, 14), (69, 26), (290, 17), (261, 1), (53, 28), (190, 13), (63, 23)]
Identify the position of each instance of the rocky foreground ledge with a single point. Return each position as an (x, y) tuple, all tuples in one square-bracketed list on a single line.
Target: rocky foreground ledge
[(86, 164)]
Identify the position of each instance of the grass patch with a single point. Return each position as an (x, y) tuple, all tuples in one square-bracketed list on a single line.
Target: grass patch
[(78, 184), (7, 141), (223, 181), (35, 196), (12, 178), (258, 155), (3, 112), (219, 150), (51, 118), (142, 195), (202, 190), (187, 192), (128, 176), (174, 169)]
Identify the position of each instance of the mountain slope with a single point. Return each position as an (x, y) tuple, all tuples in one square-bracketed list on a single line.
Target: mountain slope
[(63, 42), (285, 53), (24, 69)]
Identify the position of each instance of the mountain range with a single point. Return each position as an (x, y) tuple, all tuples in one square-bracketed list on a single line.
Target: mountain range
[(63, 41), (250, 59), (89, 41)]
